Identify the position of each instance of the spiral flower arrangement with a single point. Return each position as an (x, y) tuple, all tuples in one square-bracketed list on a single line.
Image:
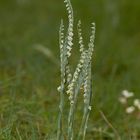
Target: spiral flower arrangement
[(72, 82)]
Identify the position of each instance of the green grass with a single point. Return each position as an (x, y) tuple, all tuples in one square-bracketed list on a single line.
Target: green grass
[(28, 79)]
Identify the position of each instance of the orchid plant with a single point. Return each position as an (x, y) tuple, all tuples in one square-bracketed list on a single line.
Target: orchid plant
[(72, 82)]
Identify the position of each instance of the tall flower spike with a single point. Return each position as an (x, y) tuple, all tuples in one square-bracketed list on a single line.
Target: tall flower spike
[(87, 102), (69, 75), (61, 40), (82, 75), (81, 43), (87, 86), (87, 63), (69, 37), (79, 67), (61, 87), (91, 42), (62, 51), (92, 37)]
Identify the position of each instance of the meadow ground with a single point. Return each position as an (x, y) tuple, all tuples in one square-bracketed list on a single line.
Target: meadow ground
[(29, 79)]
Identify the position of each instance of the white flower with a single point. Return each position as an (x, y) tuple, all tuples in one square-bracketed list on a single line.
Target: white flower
[(78, 70), (62, 41), (85, 95), (123, 100), (70, 43), (69, 48), (127, 94), (89, 107), (68, 91), (72, 102), (70, 16), (71, 33), (137, 103), (59, 89), (79, 66), (61, 46), (68, 54), (130, 109)]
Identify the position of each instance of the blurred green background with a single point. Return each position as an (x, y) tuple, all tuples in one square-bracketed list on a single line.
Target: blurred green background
[(29, 79)]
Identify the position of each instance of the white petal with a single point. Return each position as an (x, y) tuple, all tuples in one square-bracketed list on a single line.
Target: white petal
[(130, 109), (137, 103), (127, 94), (89, 107), (59, 89)]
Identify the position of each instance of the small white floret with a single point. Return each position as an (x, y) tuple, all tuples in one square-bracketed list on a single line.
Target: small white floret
[(72, 102), (82, 61), (68, 54), (70, 43), (89, 107), (127, 94), (59, 89), (137, 103), (130, 109), (85, 95)]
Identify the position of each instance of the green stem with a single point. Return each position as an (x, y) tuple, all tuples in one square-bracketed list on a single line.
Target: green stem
[(73, 109), (60, 117), (82, 132), (71, 117)]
